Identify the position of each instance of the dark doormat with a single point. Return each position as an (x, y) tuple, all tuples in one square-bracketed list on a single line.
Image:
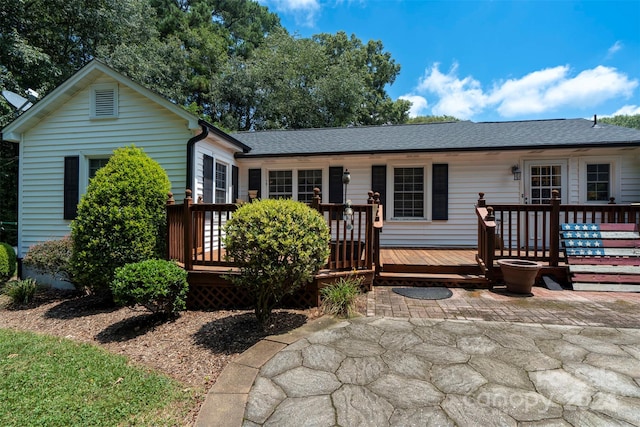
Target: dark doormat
[(423, 293)]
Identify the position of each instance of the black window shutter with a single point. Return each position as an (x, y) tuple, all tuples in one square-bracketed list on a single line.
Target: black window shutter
[(207, 179), (255, 180), (234, 183), (336, 194), (379, 181), (440, 191), (71, 186)]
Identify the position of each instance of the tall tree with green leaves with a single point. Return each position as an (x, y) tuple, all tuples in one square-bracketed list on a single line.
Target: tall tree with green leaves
[(377, 70), (623, 120)]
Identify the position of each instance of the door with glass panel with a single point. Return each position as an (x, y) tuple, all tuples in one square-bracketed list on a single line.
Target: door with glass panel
[(541, 178)]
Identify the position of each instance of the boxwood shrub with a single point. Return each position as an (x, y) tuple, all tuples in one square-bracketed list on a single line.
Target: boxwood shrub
[(51, 258), (121, 218), (7, 262), (278, 245), (160, 286)]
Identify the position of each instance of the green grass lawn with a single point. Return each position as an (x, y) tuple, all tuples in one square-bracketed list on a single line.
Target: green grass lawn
[(49, 381)]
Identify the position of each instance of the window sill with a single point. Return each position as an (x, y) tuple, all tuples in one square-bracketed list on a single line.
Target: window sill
[(408, 220)]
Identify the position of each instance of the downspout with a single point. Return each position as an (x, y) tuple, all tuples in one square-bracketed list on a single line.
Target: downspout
[(190, 144)]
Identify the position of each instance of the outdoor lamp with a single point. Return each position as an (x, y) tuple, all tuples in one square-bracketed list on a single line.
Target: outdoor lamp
[(348, 215), (515, 170), (346, 179)]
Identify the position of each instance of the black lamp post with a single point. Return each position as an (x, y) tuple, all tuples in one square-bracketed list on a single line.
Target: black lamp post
[(348, 211)]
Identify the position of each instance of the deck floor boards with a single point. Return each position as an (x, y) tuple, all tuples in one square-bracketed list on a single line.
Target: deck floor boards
[(426, 256)]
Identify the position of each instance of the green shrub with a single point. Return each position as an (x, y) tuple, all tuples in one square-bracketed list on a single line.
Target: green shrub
[(339, 298), (121, 219), (21, 291), (7, 262), (278, 245), (160, 286), (52, 258)]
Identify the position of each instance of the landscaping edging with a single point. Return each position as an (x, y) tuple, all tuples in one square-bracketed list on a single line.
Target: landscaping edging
[(225, 402)]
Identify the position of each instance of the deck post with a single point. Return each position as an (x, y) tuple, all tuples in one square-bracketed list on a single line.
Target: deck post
[(490, 242), (378, 221), (554, 229), (167, 244), (188, 232), (482, 203), (315, 202)]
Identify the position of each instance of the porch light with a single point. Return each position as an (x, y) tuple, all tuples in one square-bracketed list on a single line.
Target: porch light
[(515, 170), (346, 179), (348, 215)]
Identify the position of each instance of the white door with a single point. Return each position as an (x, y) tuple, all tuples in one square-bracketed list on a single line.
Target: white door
[(541, 177)]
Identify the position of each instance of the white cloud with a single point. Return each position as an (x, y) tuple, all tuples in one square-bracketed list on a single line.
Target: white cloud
[(613, 49), (538, 92), (418, 105), (458, 98), (304, 11), (627, 110)]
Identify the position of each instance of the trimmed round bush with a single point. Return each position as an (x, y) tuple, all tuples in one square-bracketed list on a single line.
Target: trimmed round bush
[(158, 285), (8, 262), (121, 219), (278, 244), (51, 257)]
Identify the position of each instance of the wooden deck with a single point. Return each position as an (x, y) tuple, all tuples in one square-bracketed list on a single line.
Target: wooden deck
[(423, 256), (430, 267)]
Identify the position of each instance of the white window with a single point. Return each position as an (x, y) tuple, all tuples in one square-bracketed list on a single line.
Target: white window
[(104, 101), (598, 182), (545, 179), (408, 192), (221, 183), (95, 164), (308, 179), (280, 184)]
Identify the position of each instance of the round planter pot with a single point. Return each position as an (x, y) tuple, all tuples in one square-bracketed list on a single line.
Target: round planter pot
[(519, 275)]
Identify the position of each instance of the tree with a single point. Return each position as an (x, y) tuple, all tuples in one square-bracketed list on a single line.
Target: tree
[(121, 218), (626, 121), (432, 119), (377, 70), (278, 245), (324, 81)]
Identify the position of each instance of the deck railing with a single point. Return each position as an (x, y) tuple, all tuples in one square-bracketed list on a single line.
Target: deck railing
[(195, 233), (532, 231)]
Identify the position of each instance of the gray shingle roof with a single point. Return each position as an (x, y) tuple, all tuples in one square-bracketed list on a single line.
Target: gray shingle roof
[(456, 136)]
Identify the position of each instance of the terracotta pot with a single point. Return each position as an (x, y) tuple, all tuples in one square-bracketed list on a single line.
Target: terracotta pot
[(519, 275)]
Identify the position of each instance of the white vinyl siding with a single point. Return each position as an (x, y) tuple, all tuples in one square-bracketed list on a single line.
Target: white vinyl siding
[(69, 131)]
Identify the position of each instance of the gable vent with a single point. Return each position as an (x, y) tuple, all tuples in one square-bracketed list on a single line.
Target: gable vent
[(104, 102)]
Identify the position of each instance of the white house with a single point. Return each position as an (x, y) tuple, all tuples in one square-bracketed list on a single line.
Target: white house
[(69, 134), (429, 175)]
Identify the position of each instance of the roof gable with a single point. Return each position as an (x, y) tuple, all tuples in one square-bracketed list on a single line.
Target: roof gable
[(76, 83)]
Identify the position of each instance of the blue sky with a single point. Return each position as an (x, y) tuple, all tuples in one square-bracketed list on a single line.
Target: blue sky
[(494, 60)]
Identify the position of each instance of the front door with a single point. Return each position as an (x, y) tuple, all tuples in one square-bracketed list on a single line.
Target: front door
[(541, 178)]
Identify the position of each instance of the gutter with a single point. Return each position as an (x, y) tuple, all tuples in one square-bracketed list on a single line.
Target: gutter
[(190, 144)]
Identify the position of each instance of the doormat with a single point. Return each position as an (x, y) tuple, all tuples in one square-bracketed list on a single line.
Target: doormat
[(423, 293)]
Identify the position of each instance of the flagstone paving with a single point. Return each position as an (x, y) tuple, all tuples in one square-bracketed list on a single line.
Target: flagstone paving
[(405, 371)]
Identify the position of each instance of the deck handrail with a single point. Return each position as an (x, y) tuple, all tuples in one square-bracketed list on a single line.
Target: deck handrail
[(486, 237), (195, 233), (532, 232)]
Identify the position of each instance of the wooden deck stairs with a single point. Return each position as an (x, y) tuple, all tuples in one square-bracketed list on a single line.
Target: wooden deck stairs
[(430, 267), (602, 257)]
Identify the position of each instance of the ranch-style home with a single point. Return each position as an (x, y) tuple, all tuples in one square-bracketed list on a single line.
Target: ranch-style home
[(429, 176)]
